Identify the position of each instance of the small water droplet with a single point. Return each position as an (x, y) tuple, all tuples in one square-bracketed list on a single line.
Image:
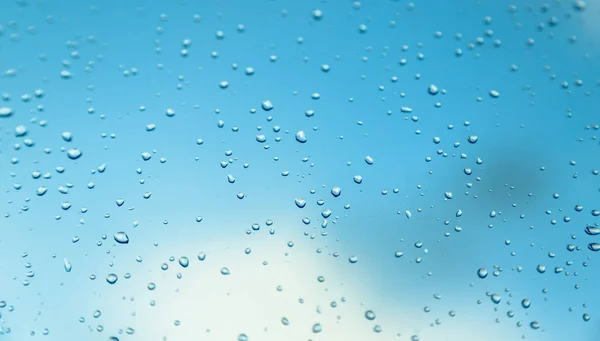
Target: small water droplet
[(68, 266), (369, 160), (225, 271), (370, 315), (317, 328), (336, 191), (300, 202), (184, 261)]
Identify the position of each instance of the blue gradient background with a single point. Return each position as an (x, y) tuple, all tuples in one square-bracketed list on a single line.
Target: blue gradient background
[(527, 140)]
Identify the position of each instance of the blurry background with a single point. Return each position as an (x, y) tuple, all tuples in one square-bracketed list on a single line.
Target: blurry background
[(479, 122)]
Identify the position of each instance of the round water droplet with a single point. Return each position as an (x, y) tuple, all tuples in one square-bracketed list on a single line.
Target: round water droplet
[(225, 271), (317, 15), (482, 273), (121, 237), (526, 303), (433, 90), (112, 278), (67, 136), (242, 337), (534, 325), (358, 179), (495, 298), (398, 254), (586, 317), (184, 261), (74, 153), (353, 259), (370, 315), (541, 268), (41, 190), (369, 160), (285, 321), (473, 139), (317, 328), (301, 137)]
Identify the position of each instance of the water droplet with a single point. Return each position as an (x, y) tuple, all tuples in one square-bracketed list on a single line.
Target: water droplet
[(317, 328), (201, 256), (472, 139), (448, 195), (41, 190), (67, 136), (184, 261), (321, 279), (534, 325), (482, 273), (398, 254), (151, 286), (68, 266), (112, 278), (301, 137), (317, 15), (146, 156), (541, 268), (121, 237), (494, 94), (300, 202), (285, 321), (230, 178), (261, 138), (353, 259), (242, 337), (594, 246), (370, 315), (336, 191), (586, 317), (369, 160), (5, 112), (73, 153), (267, 105), (433, 90), (526, 303), (592, 230), (225, 271), (495, 298)]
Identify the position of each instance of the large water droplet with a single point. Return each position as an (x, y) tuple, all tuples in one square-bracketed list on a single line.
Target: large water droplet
[(317, 328), (121, 237), (300, 202), (267, 105), (301, 137), (594, 246), (336, 191), (112, 278), (370, 315), (184, 261), (68, 266), (74, 153), (5, 112), (482, 273), (225, 271), (369, 160), (592, 230)]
